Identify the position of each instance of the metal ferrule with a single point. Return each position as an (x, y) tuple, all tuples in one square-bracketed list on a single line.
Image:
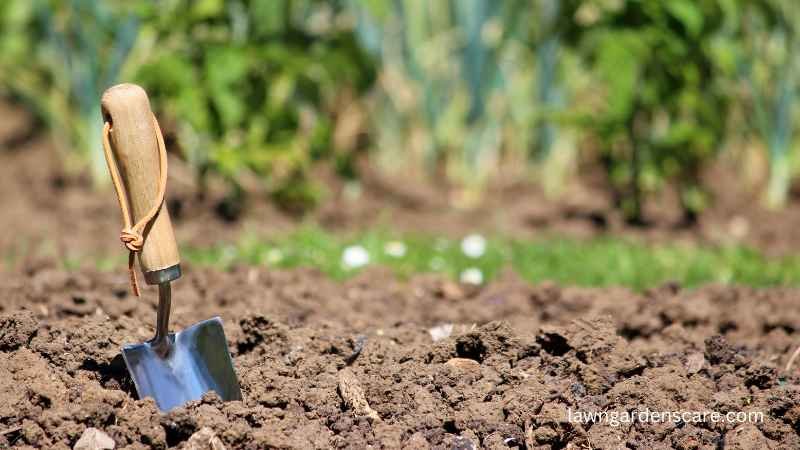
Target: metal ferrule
[(163, 275)]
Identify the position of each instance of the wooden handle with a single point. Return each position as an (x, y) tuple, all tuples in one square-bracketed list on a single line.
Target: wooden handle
[(133, 142)]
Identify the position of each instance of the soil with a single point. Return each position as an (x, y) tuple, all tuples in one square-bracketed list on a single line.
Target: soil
[(324, 364)]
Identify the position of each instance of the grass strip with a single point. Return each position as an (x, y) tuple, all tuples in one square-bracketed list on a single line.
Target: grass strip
[(602, 261)]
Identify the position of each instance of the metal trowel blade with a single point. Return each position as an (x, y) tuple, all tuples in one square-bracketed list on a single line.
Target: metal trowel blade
[(198, 361)]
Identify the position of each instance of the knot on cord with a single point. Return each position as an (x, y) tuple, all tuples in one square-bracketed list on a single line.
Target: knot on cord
[(132, 239)]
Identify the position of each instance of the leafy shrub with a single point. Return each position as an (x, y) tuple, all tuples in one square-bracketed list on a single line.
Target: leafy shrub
[(661, 116), (253, 87)]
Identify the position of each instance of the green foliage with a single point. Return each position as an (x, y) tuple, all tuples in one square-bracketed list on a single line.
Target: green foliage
[(257, 91), (663, 108), (253, 87), (58, 56)]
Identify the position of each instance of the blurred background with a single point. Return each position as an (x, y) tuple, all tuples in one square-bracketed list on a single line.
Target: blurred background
[(672, 120)]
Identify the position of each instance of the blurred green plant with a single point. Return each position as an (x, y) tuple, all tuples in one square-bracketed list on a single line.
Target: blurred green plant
[(548, 92), (452, 74), (257, 91), (660, 114), (254, 88), (769, 62), (57, 56)]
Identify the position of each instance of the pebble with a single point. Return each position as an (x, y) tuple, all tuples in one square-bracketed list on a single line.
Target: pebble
[(440, 332), (204, 439), (94, 439), (695, 362), (464, 364)]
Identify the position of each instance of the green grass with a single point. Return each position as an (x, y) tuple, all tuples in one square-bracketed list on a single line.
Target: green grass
[(596, 262)]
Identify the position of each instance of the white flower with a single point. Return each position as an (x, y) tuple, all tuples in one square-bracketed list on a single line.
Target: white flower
[(474, 245), (274, 256), (440, 332), (473, 275), (355, 256), (396, 249)]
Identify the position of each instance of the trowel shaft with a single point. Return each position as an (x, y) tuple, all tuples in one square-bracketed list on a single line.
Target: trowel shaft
[(160, 342)]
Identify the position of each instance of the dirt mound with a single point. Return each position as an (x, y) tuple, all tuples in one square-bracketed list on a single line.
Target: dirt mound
[(414, 364)]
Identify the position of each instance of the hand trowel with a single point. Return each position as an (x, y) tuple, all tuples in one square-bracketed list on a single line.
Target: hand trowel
[(172, 368)]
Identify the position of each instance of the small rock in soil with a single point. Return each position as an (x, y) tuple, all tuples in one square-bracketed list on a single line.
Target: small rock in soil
[(440, 332), (463, 443), (695, 362), (465, 364), (94, 439), (204, 439)]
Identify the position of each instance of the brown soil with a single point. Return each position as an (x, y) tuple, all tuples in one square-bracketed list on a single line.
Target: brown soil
[(352, 365)]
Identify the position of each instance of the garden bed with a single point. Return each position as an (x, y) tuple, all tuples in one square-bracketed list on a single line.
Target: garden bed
[(517, 360)]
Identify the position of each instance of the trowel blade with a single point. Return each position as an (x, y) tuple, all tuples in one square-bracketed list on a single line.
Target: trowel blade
[(198, 362)]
